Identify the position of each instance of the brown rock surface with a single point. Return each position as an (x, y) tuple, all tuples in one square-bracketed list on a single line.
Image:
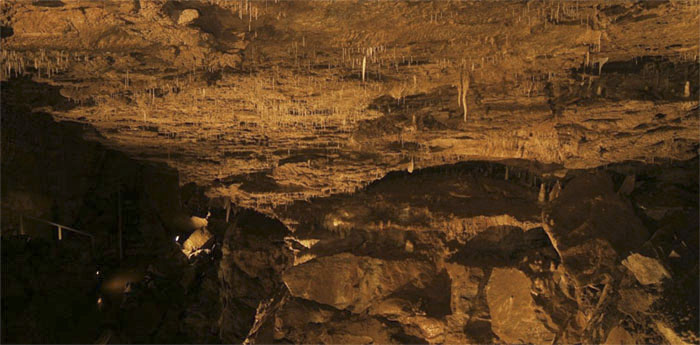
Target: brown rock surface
[(196, 240), (349, 282), (514, 313), (264, 103), (591, 227), (437, 172), (646, 270), (187, 16)]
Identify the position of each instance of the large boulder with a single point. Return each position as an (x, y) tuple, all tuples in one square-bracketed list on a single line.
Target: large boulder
[(252, 257), (465, 287), (346, 281), (591, 227), (514, 316), (619, 335), (670, 334), (294, 320), (647, 270), (196, 241)]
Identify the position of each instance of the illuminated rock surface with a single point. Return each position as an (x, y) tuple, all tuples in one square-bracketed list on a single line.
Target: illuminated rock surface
[(314, 161), (515, 319)]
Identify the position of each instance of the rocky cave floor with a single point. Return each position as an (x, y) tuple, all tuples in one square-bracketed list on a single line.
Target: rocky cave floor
[(345, 172)]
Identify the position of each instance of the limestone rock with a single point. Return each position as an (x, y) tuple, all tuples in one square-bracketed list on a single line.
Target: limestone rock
[(198, 222), (542, 196), (301, 321), (619, 335), (635, 300), (669, 334), (431, 329), (249, 271), (465, 287), (515, 318), (187, 16), (196, 241), (627, 186), (346, 281), (284, 127), (554, 193), (647, 270), (590, 226)]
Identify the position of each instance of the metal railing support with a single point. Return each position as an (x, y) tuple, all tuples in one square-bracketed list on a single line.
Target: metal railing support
[(60, 229), (119, 224)]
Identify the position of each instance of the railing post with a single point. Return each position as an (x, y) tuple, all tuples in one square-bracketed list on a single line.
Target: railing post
[(21, 225), (60, 229), (119, 223)]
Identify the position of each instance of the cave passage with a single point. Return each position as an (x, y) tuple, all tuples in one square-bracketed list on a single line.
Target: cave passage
[(349, 172)]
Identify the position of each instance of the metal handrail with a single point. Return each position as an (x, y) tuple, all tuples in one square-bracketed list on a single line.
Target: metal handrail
[(59, 227)]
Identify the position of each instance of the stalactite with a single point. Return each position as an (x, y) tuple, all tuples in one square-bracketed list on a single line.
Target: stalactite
[(541, 197), (364, 67), (464, 89)]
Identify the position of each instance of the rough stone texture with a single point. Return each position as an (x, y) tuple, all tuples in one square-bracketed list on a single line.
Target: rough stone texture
[(591, 226), (350, 282), (196, 240), (406, 212), (302, 322), (249, 271), (187, 16), (647, 270), (669, 334), (276, 94), (361, 284), (619, 335), (465, 287), (514, 313), (196, 223)]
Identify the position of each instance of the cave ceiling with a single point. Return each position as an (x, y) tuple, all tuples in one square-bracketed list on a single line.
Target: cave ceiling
[(270, 102)]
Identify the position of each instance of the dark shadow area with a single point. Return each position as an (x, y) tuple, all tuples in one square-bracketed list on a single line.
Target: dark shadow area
[(48, 3), (649, 77), (22, 94), (51, 291), (504, 246), (6, 31)]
